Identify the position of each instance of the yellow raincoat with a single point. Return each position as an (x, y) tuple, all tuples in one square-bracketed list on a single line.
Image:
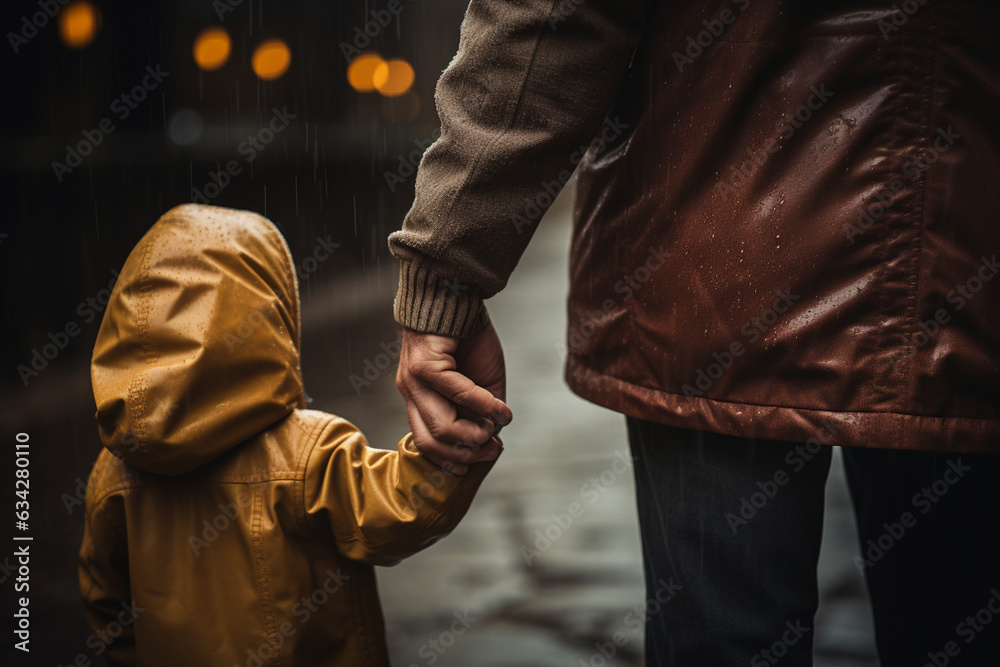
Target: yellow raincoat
[(225, 524)]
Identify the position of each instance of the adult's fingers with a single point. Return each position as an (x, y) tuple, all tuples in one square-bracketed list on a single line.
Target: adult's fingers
[(442, 421), (447, 455), (462, 391)]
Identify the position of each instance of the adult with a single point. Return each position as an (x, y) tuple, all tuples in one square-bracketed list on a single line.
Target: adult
[(785, 238)]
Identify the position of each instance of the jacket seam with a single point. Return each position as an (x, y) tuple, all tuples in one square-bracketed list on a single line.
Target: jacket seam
[(889, 337), (137, 387), (917, 245), (207, 480), (110, 492), (124, 485), (362, 627), (299, 484), (308, 525), (263, 585), (881, 338), (260, 478)]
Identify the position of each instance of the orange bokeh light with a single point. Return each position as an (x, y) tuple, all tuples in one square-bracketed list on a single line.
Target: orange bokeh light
[(78, 24), (393, 77), (361, 72), (211, 48), (271, 59)]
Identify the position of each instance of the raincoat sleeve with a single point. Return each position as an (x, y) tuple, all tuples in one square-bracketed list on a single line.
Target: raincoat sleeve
[(520, 102), (104, 577), (381, 506)]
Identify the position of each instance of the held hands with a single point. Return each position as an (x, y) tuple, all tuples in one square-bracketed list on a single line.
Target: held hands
[(454, 390)]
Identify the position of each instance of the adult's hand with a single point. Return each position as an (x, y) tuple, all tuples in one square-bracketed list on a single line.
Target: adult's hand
[(454, 390)]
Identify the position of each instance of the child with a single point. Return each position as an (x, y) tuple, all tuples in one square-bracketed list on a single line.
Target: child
[(226, 525)]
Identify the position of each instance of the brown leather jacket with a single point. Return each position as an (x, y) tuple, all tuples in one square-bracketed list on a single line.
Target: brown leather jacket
[(785, 228), (225, 525)]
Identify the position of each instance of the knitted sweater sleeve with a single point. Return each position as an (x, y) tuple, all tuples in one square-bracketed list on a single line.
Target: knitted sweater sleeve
[(519, 104)]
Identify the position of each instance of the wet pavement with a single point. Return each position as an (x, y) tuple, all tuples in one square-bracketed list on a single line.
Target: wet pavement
[(474, 599)]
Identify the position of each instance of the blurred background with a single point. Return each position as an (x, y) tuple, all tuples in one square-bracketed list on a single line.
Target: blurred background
[(315, 114)]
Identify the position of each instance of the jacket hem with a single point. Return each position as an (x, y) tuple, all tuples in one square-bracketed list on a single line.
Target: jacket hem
[(876, 430)]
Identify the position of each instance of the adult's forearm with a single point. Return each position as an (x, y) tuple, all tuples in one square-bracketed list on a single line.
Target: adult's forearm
[(527, 91)]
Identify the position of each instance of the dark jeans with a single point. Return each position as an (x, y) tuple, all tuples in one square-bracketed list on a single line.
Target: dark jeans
[(734, 525)]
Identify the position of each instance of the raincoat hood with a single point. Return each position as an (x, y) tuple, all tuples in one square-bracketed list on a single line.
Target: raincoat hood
[(198, 350)]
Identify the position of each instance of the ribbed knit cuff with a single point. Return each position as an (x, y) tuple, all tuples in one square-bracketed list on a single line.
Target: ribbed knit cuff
[(429, 303)]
